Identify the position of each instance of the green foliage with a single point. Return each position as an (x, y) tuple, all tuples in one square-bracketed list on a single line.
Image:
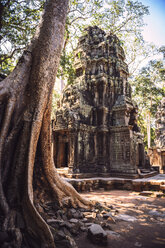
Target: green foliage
[(148, 90), (55, 99), (7, 66), (142, 123), (66, 69), (18, 23), (149, 87), (122, 17)]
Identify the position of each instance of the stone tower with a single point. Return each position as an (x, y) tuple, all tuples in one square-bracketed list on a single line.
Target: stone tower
[(157, 153), (95, 130)]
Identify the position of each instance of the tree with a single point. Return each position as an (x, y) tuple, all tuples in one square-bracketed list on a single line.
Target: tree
[(18, 21), (26, 163), (149, 88), (123, 18)]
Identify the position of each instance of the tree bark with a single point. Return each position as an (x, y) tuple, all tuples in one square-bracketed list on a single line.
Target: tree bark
[(149, 129), (26, 163)]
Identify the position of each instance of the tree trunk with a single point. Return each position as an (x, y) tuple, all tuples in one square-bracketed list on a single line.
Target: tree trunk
[(27, 168), (149, 129)]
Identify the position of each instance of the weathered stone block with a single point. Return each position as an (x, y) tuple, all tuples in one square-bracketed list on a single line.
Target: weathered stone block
[(97, 234)]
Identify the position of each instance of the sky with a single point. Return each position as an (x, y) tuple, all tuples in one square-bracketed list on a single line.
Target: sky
[(155, 30)]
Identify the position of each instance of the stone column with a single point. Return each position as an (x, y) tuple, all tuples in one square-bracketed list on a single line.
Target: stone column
[(104, 116), (104, 92), (80, 150), (71, 163), (104, 144), (96, 97), (95, 144)]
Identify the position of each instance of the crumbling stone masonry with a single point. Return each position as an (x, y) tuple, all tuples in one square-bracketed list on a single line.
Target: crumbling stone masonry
[(157, 153), (95, 131)]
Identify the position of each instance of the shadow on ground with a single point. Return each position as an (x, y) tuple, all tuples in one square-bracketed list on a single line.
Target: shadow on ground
[(140, 220)]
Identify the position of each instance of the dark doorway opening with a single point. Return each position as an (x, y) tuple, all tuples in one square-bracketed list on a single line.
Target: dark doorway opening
[(65, 162), (62, 154)]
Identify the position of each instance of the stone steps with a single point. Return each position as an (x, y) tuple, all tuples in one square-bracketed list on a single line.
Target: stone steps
[(141, 174), (155, 183)]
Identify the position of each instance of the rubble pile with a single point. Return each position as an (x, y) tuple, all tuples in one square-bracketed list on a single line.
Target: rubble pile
[(66, 224)]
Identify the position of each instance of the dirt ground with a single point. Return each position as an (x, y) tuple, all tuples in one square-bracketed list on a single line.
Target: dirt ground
[(140, 220)]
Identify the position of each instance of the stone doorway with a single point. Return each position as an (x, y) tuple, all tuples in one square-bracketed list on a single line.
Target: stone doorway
[(61, 149), (163, 162), (62, 154), (65, 158)]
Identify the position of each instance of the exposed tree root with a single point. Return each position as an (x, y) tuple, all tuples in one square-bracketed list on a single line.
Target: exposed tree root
[(10, 90), (25, 97), (62, 189), (34, 126)]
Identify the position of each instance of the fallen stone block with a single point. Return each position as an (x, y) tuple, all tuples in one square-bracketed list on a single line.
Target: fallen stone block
[(126, 217), (97, 234), (146, 193)]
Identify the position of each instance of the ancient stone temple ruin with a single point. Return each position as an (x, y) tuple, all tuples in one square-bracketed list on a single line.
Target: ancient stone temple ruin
[(157, 153), (95, 131)]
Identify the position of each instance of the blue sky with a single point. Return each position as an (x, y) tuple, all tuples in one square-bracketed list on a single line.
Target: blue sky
[(155, 30)]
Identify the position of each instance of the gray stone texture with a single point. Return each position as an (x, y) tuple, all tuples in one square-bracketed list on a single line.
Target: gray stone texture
[(97, 234)]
